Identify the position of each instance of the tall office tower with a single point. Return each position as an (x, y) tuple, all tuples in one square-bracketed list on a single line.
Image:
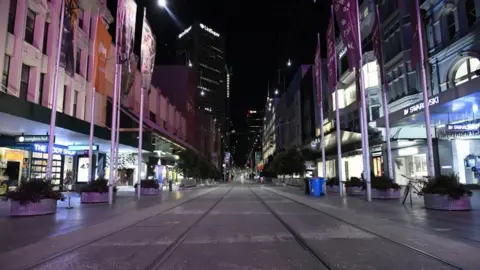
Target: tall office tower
[(203, 49)]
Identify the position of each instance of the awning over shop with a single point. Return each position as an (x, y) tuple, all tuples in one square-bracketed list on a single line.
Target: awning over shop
[(457, 104), (22, 117)]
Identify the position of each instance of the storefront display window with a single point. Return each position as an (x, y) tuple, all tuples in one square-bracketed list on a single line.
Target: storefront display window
[(413, 166), (352, 167)]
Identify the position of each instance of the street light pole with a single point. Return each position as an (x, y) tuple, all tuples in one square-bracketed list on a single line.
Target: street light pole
[(53, 114)]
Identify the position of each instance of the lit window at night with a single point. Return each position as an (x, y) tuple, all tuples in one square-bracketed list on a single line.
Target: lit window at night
[(467, 70)]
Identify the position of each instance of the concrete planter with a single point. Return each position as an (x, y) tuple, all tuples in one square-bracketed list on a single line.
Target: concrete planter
[(43, 207), (149, 191), (443, 202), (389, 194), (333, 189), (355, 191), (95, 197)]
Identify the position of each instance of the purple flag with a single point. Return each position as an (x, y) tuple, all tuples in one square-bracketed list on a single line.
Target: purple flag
[(346, 13), (331, 54), (318, 70), (377, 44), (415, 51)]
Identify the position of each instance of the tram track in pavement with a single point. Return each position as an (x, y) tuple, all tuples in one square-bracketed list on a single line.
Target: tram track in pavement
[(298, 238), (310, 250), (73, 249), (160, 259)]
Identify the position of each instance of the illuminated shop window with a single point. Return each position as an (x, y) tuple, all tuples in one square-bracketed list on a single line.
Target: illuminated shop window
[(370, 73)]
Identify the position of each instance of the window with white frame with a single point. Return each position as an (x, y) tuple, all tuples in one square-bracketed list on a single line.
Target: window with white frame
[(350, 94), (370, 74), (341, 99), (467, 70)]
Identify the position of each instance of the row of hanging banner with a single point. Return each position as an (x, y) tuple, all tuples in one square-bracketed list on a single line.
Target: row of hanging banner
[(125, 36), (126, 19), (347, 15)]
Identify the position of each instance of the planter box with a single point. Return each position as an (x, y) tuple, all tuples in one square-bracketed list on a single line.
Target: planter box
[(355, 191), (149, 191), (95, 197), (442, 202), (389, 194), (43, 207), (333, 189)]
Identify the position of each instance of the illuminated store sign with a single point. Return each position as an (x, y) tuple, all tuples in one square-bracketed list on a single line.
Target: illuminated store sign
[(57, 149), (32, 139), (463, 127), (460, 130), (210, 30), (82, 147), (184, 32), (420, 106)]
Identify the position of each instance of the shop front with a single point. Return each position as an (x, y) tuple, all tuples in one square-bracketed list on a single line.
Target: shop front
[(464, 138), (25, 162), (454, 116)]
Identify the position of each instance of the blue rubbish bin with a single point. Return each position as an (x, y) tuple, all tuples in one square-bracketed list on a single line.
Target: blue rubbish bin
[(316, 186)]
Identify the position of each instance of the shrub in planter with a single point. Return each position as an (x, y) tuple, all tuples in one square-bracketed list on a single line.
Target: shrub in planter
[(98, 186), (355, 186), (384, 188), (354, 182), (96, 191), (148, 184), (333, 181), (36, 197), (447, 185), (33, 191), (383, 183), (446, 193)]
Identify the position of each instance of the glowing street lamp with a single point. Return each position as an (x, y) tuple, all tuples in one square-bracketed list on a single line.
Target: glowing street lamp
[(289, 63), (162, 3), (276, 91), (202, 93)]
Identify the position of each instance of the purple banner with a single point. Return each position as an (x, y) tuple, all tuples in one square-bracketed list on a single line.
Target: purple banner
[(127, 16), (318, 70), (415, 51), (331, 54), (378, 46), (346, 14), (147, 51)]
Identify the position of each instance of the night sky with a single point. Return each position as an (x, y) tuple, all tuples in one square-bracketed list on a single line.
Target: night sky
[(261, 37)]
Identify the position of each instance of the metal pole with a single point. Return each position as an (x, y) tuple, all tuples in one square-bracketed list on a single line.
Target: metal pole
[(53, 114), (339, 144), (114, 114), (92, 111), (90, 141), (364, 121), (322, 142), (387, 131), (140, 142), (117, 139), (431, 164)]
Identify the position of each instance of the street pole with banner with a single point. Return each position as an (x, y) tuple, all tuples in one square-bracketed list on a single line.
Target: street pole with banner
[(319, 80), (53, 114), (363, 115), (92, 111), (378, 49), (147, 52), (348, 18), (125, 33), (117, 140), (417, 29), (332, 79)]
